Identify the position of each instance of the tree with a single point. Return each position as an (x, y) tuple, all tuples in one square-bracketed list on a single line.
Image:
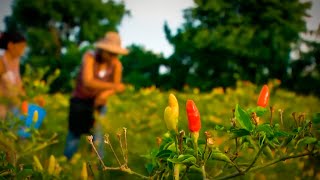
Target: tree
[(223, 41), (141, 67), (305, 67), (57, 29)]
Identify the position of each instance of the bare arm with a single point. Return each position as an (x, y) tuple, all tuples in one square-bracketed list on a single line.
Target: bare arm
[(118, 72), (101, 99), (2, 69), (117, 79), (88, 75)]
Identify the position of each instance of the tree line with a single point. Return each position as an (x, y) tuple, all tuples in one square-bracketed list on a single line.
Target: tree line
[(219, 43)]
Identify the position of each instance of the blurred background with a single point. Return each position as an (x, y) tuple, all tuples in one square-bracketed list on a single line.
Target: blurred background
[(216, 52), (177, 43)]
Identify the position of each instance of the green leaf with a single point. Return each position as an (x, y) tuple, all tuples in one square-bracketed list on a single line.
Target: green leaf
[(243, 118), (24, 173), (201, 141), (252, 143), (265, 128), (219, 127), (183, 159), (190, 159), (166, 143), (220, 156), (245, 146), (189, 151), (307, 140), (164, 154), (267, 152), (281, 134), (172, 147), (239, 133), (260, 111), (149, 167)]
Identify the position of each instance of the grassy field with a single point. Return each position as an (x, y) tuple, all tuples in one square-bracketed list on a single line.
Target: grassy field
[(141, 112)]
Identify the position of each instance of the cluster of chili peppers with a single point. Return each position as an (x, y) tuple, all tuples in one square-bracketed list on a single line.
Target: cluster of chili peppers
[(171, 115)]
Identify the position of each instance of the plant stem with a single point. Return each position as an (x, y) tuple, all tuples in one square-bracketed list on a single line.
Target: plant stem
[(176, 171), (203, 169), (187, 169), (90, 169), (136, 174), (281, 159), (271, 114), (176, 142), (195, 136), (265, 165), (237, 144), (255, 158), (127, 170), (281, 116), (95, 150), (181, 134), (107, 141), (210, 152), (126, 143), (121, 147), (204, 150), (237, 167)]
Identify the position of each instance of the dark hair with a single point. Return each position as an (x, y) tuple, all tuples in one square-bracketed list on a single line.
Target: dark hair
[(6, 37), (98, 57)]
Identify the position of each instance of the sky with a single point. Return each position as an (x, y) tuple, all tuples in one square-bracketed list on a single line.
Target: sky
[(145, 25)]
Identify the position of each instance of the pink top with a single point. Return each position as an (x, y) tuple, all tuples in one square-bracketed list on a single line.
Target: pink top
[(104, 75), (11, 77)]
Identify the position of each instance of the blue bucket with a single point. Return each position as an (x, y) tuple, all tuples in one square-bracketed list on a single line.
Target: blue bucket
[(28, 120)]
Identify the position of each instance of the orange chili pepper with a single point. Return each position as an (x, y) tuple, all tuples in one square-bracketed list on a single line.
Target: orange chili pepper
[(263, 96), (24, 107)]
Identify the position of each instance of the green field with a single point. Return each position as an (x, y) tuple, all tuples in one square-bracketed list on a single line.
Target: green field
[(141, 112)]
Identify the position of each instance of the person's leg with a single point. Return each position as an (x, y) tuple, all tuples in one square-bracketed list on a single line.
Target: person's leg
[(72, 144), (98, 135)]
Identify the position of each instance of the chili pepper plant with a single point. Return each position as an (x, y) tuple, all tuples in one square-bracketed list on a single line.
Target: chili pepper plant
[(182, 154)]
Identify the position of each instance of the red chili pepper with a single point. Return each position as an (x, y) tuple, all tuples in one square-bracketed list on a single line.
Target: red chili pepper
[(193, 116), (264, 96), (24, 107)]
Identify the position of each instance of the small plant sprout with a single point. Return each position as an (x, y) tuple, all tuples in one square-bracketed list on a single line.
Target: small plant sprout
[(281, 116), (271, 114), (126, 143), (295, 119)]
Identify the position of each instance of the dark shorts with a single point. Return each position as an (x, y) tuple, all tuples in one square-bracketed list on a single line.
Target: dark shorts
[(81, 118)]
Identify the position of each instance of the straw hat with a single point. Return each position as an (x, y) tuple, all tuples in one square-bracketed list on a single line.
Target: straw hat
[(112, 43)]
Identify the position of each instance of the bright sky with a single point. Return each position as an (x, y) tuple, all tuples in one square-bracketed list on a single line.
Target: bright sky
[(145, 26)]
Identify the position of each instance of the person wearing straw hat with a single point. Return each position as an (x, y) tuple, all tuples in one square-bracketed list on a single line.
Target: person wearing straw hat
[(99, 77)]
